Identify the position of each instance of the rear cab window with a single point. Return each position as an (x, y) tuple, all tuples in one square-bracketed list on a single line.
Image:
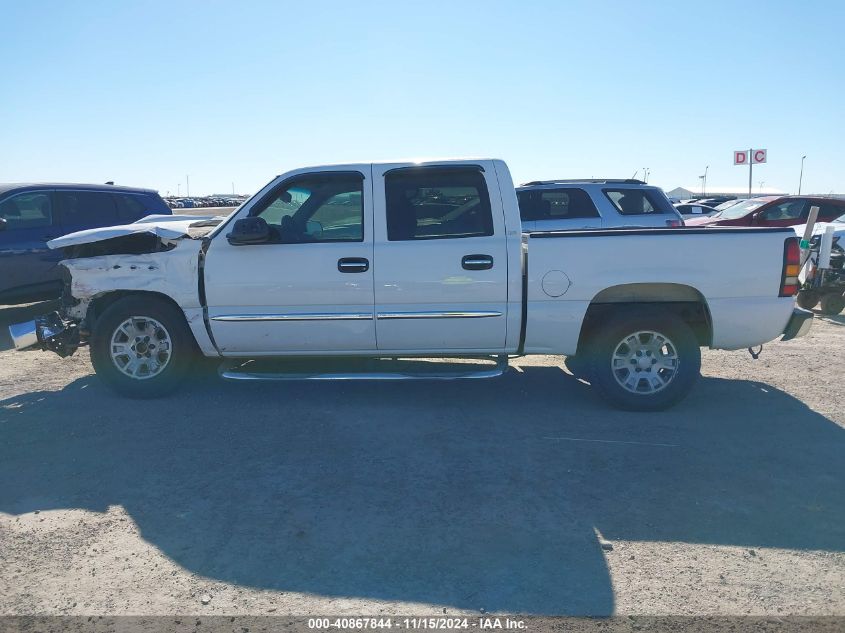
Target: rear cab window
[(556, 204), (639, 201)]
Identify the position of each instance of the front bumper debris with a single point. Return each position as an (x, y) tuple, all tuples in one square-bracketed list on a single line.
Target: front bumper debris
[(48, 332), (799, 324)]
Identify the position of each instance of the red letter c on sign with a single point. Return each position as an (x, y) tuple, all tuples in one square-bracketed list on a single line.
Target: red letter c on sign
[(760, 156)]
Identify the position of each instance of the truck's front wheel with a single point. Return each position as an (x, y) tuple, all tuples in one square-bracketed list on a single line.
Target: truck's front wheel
[(141, 347), (644, 361)]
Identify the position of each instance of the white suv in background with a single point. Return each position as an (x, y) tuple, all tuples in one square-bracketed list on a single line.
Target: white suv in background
[(565, 205)]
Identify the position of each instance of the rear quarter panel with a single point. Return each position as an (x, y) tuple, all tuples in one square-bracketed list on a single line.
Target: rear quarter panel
[(736, 271)]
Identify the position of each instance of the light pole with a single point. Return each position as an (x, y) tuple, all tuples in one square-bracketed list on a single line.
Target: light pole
[(704, 184), (178, 188), (701, 178), (801, 176)]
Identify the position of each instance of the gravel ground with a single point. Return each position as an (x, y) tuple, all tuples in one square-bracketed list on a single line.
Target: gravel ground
[(522, 494)]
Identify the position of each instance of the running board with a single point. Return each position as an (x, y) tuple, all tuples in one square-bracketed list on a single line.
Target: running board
[(240, 370)]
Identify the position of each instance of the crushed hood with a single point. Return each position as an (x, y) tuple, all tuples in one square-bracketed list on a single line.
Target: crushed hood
[(166, 227)]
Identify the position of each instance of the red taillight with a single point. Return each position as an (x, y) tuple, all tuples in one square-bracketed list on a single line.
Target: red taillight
[(789, 284), (674, 223)]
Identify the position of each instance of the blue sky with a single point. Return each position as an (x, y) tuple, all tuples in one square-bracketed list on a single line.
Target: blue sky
[(144, 93)]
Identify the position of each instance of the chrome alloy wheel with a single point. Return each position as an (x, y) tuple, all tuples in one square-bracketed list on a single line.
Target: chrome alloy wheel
[(645, 362), (141, 347)]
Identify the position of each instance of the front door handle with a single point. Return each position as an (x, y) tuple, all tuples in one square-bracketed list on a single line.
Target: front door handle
[(477, 262), (353, 265)]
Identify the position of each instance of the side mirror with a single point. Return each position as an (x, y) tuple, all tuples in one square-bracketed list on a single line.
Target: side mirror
[(249, 231), (2, 224)]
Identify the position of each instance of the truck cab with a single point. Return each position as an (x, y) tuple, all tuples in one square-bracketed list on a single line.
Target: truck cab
[(357, 258)]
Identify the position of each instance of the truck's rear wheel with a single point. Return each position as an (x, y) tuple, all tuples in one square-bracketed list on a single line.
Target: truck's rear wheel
[(645, 361), (832, 303), (141, 347)]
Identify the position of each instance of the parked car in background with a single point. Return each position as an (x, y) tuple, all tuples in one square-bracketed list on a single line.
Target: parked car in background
[(774, 211), (728, 203), (33, 214), (694, 210), (715, 201), (559, 205)]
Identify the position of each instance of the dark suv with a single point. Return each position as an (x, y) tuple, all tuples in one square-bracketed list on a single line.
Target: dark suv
[(32, 214)]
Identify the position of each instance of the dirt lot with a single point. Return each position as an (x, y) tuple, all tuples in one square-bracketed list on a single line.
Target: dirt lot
[(518, 494)]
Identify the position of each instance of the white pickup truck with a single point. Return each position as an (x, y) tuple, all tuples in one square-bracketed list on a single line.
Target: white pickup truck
[(416, 260)]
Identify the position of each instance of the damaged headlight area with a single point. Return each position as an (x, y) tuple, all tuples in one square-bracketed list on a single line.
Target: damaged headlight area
[(49, 332)]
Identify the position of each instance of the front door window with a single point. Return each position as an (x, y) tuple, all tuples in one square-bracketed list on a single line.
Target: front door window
[(27, 211)]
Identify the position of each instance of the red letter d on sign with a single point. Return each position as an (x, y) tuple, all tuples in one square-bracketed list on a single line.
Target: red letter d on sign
[(740, 157)]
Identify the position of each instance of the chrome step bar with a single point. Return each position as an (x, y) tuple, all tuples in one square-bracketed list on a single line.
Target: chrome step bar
[(237, 370)]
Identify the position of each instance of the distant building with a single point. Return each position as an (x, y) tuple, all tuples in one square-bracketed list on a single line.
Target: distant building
[(684, 193)]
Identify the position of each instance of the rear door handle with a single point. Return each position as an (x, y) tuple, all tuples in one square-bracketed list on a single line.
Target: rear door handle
[(353, 265), (477, 262)]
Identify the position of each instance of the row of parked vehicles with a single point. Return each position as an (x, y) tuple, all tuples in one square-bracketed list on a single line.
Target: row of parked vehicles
[(444, 259), (31, 215), (204, 202)]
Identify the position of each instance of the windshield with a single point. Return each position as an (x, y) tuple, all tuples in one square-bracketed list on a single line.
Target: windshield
[(741, 209), (727, 204)]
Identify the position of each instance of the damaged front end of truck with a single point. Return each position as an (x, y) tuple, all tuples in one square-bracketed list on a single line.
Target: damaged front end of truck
[(156, 254)]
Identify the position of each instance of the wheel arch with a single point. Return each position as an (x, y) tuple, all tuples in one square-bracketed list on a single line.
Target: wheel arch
[(684, 301), (100, 303)]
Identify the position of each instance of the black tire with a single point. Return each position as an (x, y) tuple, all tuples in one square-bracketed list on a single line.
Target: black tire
[(578, 367), (808, 299), (174, 365), (602, 344), (832, 303)]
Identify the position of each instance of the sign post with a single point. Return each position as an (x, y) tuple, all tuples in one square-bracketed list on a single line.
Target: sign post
[(751, 157)]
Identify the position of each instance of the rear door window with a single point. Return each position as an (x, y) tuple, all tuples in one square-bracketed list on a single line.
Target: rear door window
[(638, 201), (27, 211), (556, 204), (829, 212), (437, 202), (130, 207), (87, 208)]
